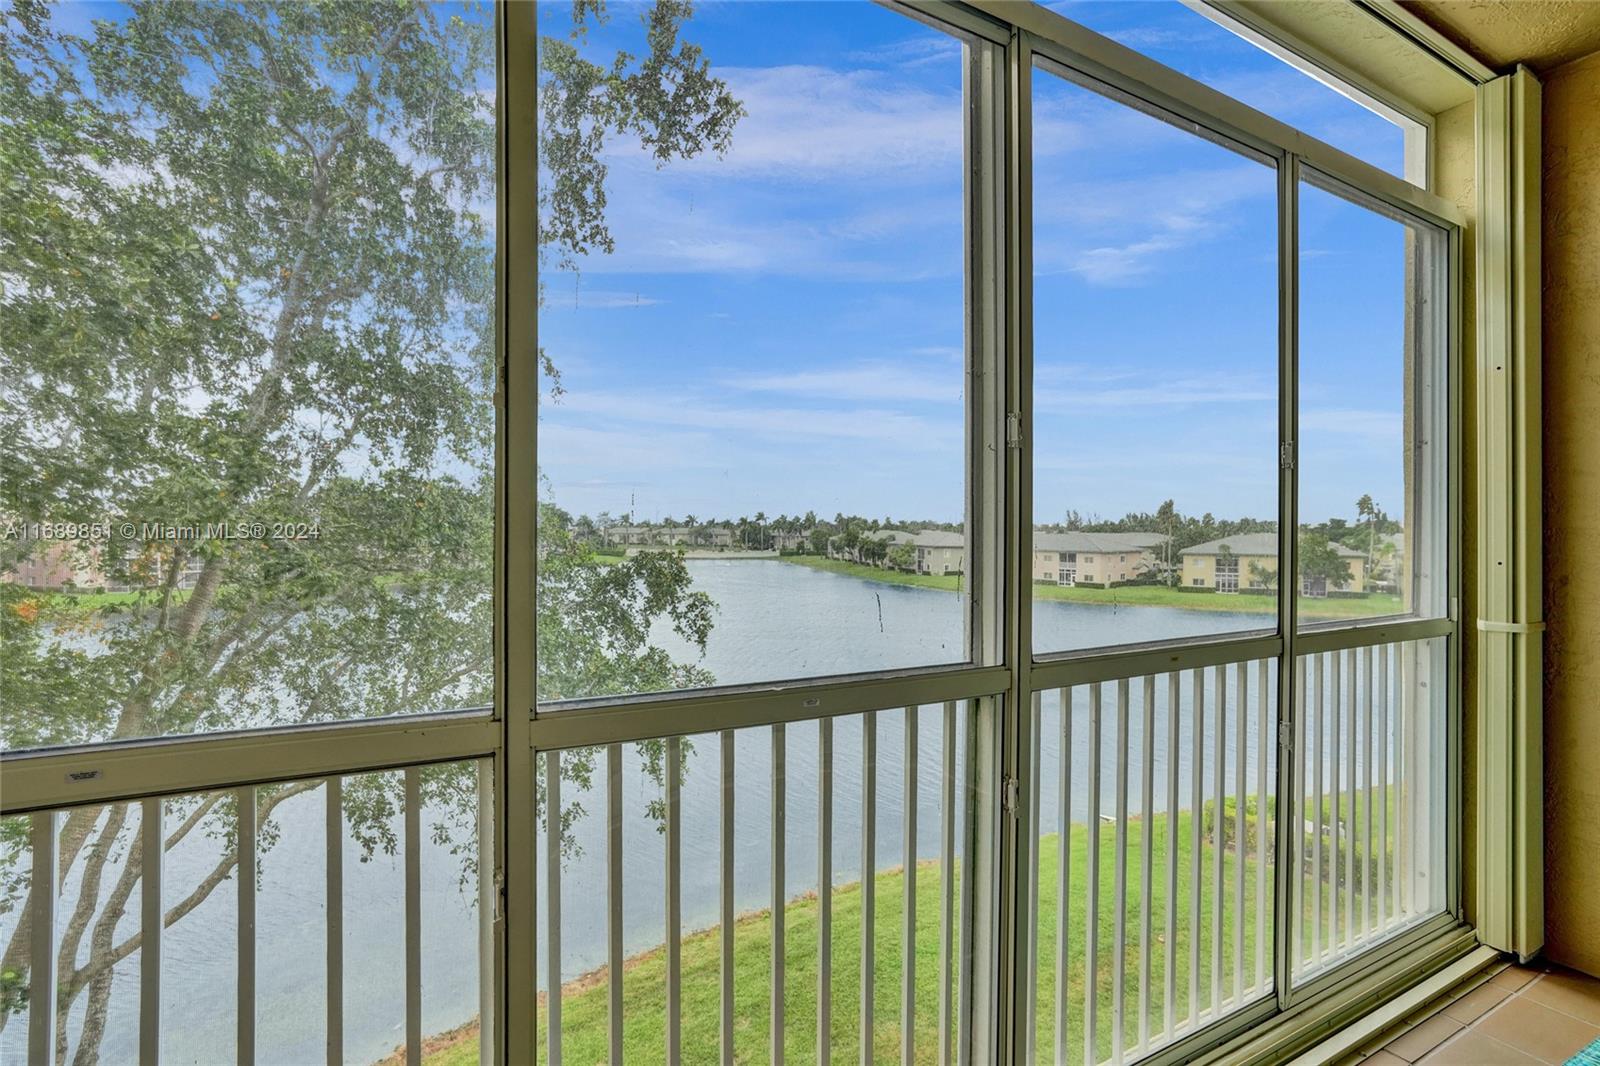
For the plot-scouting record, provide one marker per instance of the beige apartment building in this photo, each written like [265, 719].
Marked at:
[1251, 562]
[1079, 558]
[938, 552]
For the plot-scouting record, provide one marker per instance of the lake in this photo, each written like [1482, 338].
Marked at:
[774, 621]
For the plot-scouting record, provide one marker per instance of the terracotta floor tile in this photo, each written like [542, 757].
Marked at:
[1513, 977]
[1569, 993]
[1424, 1037]
[1385, 1038]
[1383, 1058]
[1472, 1048]
[1472, 1006]
[1428, 1010]
[1536, 1029]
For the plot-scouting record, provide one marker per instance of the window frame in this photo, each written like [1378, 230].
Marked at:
[1002, 672]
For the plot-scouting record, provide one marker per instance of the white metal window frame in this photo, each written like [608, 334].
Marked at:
[1002, 673]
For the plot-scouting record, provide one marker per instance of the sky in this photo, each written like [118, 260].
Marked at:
[781, 329]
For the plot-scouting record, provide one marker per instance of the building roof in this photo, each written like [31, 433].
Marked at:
[938, 538]
[1262, 544]
[1078, 541]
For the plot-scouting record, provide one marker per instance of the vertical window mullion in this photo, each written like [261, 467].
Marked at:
[1287, 785]
[516, 466]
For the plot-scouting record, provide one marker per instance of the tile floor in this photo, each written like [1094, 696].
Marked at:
[1519, 1016]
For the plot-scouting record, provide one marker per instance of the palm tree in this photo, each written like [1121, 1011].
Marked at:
[1365, 508]
[761, 516]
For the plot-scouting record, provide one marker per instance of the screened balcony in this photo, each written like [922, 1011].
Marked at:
[923, 532]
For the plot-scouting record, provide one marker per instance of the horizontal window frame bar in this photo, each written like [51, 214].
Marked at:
[1075, 46]
[166, 766]
[1151, 659]
[627, 719]
[1371, 634]
[1339, 997]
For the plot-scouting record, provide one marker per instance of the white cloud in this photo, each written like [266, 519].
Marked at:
[889, 382]
[1377, 427]
[1165, 392]
[742, 423]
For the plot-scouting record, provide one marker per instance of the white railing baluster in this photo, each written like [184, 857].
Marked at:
[1030, 1038]
[1335, 793]
[245, 800]
[1119, 878]
[674, 770]
[969, 865]
[1265, 745]
[152, 862]
[726, 892]
[488, 904]
[1063, 870]
[1402, 828]
[552, 906]
[947, 884]
[779, 888]
[1385, 914]
[614, 912]
[1368, 765]
[42, 975]
[824, 893]
[1319, 738]
[1197, 764]
[1297, 814]
[1350, 936]
[1091, 911]
[413, 828]
[869, 866]
[1147, 857]
[1170, 997]
[1241, 740]
[908, 910]
[1219, 675]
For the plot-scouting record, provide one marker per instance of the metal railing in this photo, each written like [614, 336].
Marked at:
[234, 826]
[1365, 762]
[1162, 837]
[800, 911]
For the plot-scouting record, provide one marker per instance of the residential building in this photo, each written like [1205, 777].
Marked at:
[939, 552]
[1078, 558]
[1250, 561]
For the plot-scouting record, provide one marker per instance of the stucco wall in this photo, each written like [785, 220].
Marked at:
[1571, 231]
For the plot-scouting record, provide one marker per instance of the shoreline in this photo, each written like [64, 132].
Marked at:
[1375, 606]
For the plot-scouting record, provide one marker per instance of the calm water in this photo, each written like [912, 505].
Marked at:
[774, 621]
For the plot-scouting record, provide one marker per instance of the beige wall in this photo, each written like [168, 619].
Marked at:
[1106, 566]
[1571, 231]
[1203, 567]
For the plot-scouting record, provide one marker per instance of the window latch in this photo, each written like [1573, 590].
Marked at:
[1013, 430]
[1286, 455]
[1008, 796]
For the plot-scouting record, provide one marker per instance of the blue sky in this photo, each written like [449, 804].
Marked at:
[781, 329]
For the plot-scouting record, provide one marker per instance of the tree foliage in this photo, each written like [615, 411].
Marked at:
[248, 278]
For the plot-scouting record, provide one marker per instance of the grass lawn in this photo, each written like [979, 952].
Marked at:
[584, 1001]
[1127, 595]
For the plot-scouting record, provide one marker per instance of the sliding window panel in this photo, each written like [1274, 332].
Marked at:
[753, 325]
[1214, 48]
[251, 483]
[1155, 405]
[1374, 394]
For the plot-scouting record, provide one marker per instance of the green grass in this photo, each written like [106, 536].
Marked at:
[1125, 596]
[584, 1019]
[584, 1002]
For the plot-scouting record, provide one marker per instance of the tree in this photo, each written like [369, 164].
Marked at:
[1365, 508]
[901, 557]
[248, 276]
[1320, 561]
